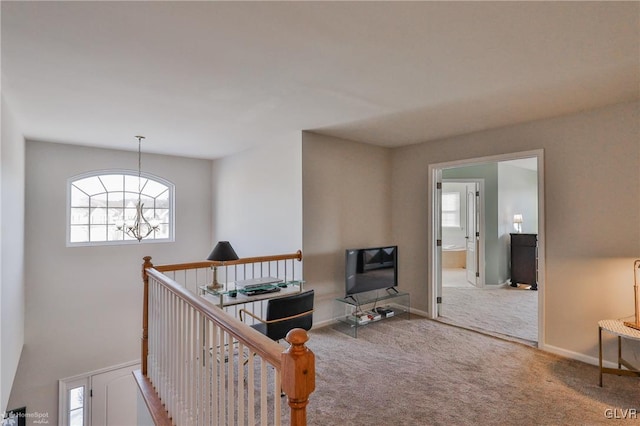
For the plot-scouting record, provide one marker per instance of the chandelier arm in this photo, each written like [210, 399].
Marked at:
[145, 223]
[141, 227]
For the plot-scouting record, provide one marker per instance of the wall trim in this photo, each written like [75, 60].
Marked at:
[578, 356]
[102, 370]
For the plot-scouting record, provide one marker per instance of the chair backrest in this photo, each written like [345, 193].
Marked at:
[287, 306]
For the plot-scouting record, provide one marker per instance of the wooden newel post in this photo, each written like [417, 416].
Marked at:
[145, 313]
[298, 375]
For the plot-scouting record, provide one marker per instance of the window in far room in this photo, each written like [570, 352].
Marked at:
[99, 203]
[450, 209]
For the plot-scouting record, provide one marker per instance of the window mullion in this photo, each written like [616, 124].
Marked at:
[102, 183]
[89, 219]
[81, 190]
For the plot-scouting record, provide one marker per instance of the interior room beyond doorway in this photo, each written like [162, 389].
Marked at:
[490, 305]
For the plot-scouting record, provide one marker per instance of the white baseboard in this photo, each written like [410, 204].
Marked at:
[419, 312]
[578, 356]
[324, 323]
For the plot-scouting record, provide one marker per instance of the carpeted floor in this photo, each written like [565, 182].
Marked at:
[499, 310]
[422, 372]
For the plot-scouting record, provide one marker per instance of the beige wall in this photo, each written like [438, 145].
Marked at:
[83, 304]
[346, 199]
[326, 195]
[257, 201]
[12, 279]
[592, 202]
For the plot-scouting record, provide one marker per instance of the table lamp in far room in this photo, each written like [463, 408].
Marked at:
[222, 252]
[517, 222]
[636, 291]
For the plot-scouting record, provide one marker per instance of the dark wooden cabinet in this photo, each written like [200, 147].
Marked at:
[524, 260]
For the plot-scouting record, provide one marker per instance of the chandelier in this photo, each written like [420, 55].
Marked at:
[139, 227]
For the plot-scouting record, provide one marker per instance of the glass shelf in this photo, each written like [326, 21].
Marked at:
[355, 312]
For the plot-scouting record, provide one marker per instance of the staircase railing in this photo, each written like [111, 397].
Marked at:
[203, 366]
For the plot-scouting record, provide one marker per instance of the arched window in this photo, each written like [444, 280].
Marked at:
[99, 201]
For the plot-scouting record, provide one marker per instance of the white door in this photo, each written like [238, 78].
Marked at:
[114, 398]
[472, 235]
[437, 226]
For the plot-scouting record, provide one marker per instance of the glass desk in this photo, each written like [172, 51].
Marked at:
[229, 295]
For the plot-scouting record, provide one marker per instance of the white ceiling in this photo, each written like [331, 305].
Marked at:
[207, 79]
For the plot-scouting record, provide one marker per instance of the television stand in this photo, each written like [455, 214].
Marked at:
[354, 312]
[352, 299]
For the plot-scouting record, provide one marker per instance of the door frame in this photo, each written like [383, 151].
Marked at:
[434, 256]
[85, 380]
[480, 216]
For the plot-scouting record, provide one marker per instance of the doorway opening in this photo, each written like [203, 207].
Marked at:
[476, 207]
[463, 232]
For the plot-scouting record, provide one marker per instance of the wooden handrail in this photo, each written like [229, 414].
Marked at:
[183, 266]
[201, 304]
[258, 259]
[260, 343]
[245, 260]
[297, 363]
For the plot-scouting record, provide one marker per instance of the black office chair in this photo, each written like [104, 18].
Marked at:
[284, 314]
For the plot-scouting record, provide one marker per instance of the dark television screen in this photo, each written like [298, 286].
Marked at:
[371, 269]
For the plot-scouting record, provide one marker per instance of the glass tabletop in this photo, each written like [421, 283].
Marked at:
[231, 288]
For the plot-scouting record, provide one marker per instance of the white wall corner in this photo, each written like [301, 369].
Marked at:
[12, 269]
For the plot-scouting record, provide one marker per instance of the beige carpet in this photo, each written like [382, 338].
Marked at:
[499, 310]
[423, 372]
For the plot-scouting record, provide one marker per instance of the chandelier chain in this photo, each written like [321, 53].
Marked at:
[140, 227]
[139, 165]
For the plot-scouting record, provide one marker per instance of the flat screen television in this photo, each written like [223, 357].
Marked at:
[371, 268]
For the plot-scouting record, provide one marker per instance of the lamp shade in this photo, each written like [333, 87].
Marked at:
[517, 218]
[222, 252]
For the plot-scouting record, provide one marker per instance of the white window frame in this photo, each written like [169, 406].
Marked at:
[132, 173]
[455, 211]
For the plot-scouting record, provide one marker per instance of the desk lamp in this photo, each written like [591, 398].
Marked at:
[636, 290]
[222, 252]
[517, 222]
